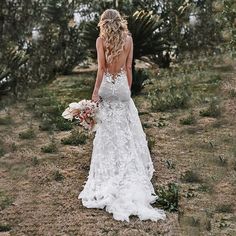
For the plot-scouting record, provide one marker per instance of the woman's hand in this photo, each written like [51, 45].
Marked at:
[95, 97]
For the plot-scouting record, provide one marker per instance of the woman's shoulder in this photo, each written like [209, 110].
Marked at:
[129, 38]
[99, 41]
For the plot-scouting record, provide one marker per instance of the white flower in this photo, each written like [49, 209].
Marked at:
[75, 105]
[67, 114]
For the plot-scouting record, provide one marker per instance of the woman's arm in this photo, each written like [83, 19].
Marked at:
[101, 68]
[129, 63]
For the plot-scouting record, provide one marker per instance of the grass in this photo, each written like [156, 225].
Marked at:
[19, 171]
[5, 227]
[188, 120]
[151, 143]
[224, 208]
[206, 188]
[2, 151]
[5, 200]
[232, 93]
[50, 147]
[76, 137]
[213, 110]
[194, 222]
[48, 109]
[35, 161]
[14, 147]
[6, 120]
[222, 161]
[57, 175]
[191, 176]
[203, 144]
[161, 122]
[170, 164]
[171, 94]
[27, 134]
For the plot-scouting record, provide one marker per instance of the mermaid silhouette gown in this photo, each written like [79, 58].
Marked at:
[121, 167]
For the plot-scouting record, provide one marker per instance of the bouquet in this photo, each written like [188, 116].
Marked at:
[85, 111]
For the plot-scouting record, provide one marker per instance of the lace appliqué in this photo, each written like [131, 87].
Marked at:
[121, 167]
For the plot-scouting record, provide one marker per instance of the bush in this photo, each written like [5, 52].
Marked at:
[139, 76]
[225, 208]
[151, 143]
[168, 197]
[27, 61]
[191, 176]
[189, 120]
[173, 94]
[7, 120]
[50, 148]
[5, 200]
[62, 124]
[27, 134]
[5, 227]
[2, 151]
[214, 109]
[45, 105]
[76, 138]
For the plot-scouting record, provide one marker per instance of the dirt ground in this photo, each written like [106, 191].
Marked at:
[33, 202]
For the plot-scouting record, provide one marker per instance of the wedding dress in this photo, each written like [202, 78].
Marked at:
[121, 167]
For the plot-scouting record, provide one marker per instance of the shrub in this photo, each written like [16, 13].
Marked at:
[214, 109]
[176, 94]
[189, 120]
[5, 200]
[27, 134]
[224, 208]
[191, 176]
[168, 197]
[76, 138]
[2, 151]
[50, 148]
[5, 227]
[62, 124]
[57, 175]
[46, 106]
[232, 93]
[7, 120]
[139, 75]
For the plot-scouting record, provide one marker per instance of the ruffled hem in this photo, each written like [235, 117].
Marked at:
[123, 203]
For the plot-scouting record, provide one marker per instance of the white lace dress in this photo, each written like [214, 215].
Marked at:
[121, 167]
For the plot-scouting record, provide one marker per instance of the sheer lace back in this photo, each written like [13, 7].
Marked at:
[115, 86]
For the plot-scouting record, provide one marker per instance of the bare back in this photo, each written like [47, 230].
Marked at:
[122, 59]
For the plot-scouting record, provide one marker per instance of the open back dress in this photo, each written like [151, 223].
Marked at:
[121, 168]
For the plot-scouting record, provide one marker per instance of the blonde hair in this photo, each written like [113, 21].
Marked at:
[114, 30]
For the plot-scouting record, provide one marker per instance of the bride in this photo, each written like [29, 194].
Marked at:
[121, 167]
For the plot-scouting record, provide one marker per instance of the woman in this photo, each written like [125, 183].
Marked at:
[121, 167]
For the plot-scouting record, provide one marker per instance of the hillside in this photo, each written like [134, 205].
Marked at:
[44, 160]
